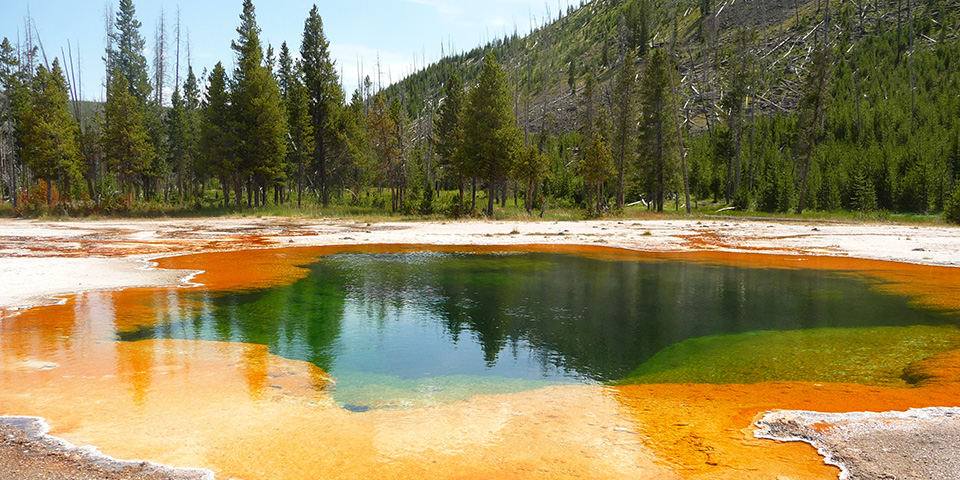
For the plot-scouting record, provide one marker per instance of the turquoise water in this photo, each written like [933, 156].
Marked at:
[412, 329]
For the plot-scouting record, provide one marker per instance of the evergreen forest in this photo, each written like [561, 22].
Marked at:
[610, 108]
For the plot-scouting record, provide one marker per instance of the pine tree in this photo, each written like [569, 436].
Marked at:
[326, 96]
[655, 126]
[448, 129]
[531, 166]
[49, 133]
[624, 121]
[299, 122]
[260, 123]
[9, 82]
[126, 144]
[383, 142]
[738, 81]
[191, 127]
[398, 174]
[595, 168]
[812, 113]
[356, 134]
[127, 57]
[491, 137]
[951, 212]
[217, 137]
[176, 127]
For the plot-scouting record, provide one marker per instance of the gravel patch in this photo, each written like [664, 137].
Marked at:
[916, 444]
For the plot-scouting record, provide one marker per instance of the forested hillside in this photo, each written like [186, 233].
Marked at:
[615, 106]
[887, 135]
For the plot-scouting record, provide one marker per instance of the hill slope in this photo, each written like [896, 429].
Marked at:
[889, 138]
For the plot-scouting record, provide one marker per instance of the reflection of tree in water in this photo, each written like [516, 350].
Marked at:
[300, 321]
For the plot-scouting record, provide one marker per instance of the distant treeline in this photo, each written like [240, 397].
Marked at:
[667, 110]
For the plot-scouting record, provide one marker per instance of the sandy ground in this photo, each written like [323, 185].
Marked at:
[871, 445]
[51, 259]
[42, 457]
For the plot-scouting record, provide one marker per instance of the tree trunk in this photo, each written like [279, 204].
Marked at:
[491, 191]
[528, 201]
[225, 185]
[805, 174]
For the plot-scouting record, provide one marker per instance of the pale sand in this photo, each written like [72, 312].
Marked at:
[41, 260]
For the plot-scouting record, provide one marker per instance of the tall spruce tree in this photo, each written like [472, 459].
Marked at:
[217, 136]
[260, 120]
[299, 122]
[595, 168]
[529, 169]
[812, 113]
[326, 96]
[49, 133]
[176, 123]
[738, 79]
[9, 81]
[191, 128]
[126, 144]
[448, 130]
[127, 52]
[624, 121]
[656, 138]
[356, 134]
[491, 138]
[383, 142]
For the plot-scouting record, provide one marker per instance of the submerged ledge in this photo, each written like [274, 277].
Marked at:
[918, 443]
[26, 448]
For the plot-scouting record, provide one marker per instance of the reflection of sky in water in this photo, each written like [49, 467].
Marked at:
[423, 328]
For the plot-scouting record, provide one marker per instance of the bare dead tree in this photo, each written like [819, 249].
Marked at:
[176, 70]
[159, 57]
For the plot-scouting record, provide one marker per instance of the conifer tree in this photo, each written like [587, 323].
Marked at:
[127, 55]
[655, 126]
[383, 141]
[356, 135]
[531, 166]
[284, 71]
[9, 81]
[49, 133]
[398, 174]
[260, 123]
[812, 113]
[326, 96]
[126, 144]
[176, 123]
[491, 137]
[217, 137]
[299, 122]
[595, 168]
[448, 129]
[191, 126]
[738, 80]
[624, 121]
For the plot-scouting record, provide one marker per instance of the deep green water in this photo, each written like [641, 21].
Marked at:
[421, 328]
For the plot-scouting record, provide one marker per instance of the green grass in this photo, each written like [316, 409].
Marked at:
[367, 212]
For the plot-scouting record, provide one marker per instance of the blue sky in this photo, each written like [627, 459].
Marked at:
[397, 30]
